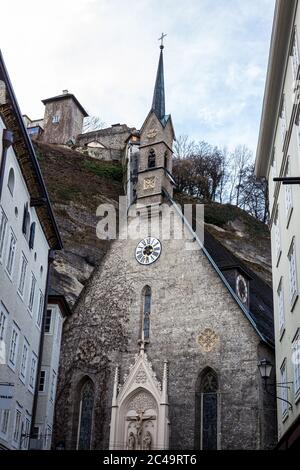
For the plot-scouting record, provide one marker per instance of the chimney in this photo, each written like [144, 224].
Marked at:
[65, 92]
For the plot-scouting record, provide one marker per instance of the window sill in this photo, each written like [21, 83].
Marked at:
[289, 215]
[285, 416]
[12, 367]
[297, 397]
[294, 301]
[278, 258]
[281, 334]
[9, 275]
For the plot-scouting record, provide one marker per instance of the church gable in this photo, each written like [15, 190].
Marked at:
[154, 131]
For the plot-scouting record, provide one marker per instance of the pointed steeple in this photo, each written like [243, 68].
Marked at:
[158, 103]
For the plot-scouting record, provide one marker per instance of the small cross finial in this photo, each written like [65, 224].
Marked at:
[161, 39]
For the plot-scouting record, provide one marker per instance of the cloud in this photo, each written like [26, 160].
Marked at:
[106, 52]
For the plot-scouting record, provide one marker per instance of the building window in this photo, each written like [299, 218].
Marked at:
[277, 236]
[23, 367]
[146, 311]
[55, 119]
[288, 191]
[4, 422]
[25, 438]
[32, 235]
[11, 181]
[53, 386]
[166, 160]
[293, 273]
[3, 225]
[3, 320]
[22, 274]
[26, 221]
[48, 320]
[13, 350]
[281, 315]
[17, 426]
[32, 374]
[295, 57]
[283, 120]
[283, 390]
[42, 381]
[86, 408]
[296, 363]
[48, 437]
[206, 432]
[151, 159]
[32, 292]
[11, 253]
[40, 310]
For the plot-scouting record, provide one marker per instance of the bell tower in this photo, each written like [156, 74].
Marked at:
[156, 141]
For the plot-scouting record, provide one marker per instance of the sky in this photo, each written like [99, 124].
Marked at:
[106, 53]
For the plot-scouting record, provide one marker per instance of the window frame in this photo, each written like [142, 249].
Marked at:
[22, 276]
[296, 364]
[16, 436]
[12, 248]
[15, 329]
[32, 293]
[44, 381]
[32, 373]
[3, 230]
[293, 275]
[23, 374]
[280, 303]
[284, 390]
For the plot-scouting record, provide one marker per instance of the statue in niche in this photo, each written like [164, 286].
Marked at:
[147, 440]
[139, 421]
[131, 441]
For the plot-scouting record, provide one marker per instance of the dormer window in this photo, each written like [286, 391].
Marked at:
[151, 159]
[55, 119]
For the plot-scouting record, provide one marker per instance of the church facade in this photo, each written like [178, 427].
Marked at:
[160, 351]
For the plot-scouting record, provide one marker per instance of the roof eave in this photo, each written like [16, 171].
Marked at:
[278, 57]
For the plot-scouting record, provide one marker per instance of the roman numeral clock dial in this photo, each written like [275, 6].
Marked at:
[148, 250]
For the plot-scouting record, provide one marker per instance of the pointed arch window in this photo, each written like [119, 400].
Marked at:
[206, 432]
[151, 159]
[86, 416]
[146, 311]
[166, 160]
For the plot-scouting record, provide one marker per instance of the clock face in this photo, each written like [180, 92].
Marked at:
[241, 288]
[148, 250]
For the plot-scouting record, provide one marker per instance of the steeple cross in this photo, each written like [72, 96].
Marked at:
[161, 39]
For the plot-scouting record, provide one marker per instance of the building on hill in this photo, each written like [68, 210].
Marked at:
[278, 156]
[28, 236]
[106, 144]
[63, 118]
[162, 347]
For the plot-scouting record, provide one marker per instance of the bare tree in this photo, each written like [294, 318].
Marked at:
[238, 161]
[183, 147]
[92, 123]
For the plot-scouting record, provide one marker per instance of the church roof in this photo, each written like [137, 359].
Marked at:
[260, 312]
[158, 103]
[260, 293]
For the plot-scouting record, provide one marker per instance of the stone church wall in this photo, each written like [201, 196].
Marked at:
[195, 323]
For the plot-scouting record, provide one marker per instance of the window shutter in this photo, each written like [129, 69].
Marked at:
[32, 234]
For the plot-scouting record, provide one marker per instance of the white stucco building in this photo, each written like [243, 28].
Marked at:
[57, 311]
[27, 235]
[278, 155]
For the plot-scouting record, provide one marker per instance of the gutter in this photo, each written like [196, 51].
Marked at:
[220, 274]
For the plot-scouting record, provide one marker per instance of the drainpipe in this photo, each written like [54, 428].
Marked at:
[7, 140]
[51, 257]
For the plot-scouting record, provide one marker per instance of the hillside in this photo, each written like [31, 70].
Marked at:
[78, 184]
